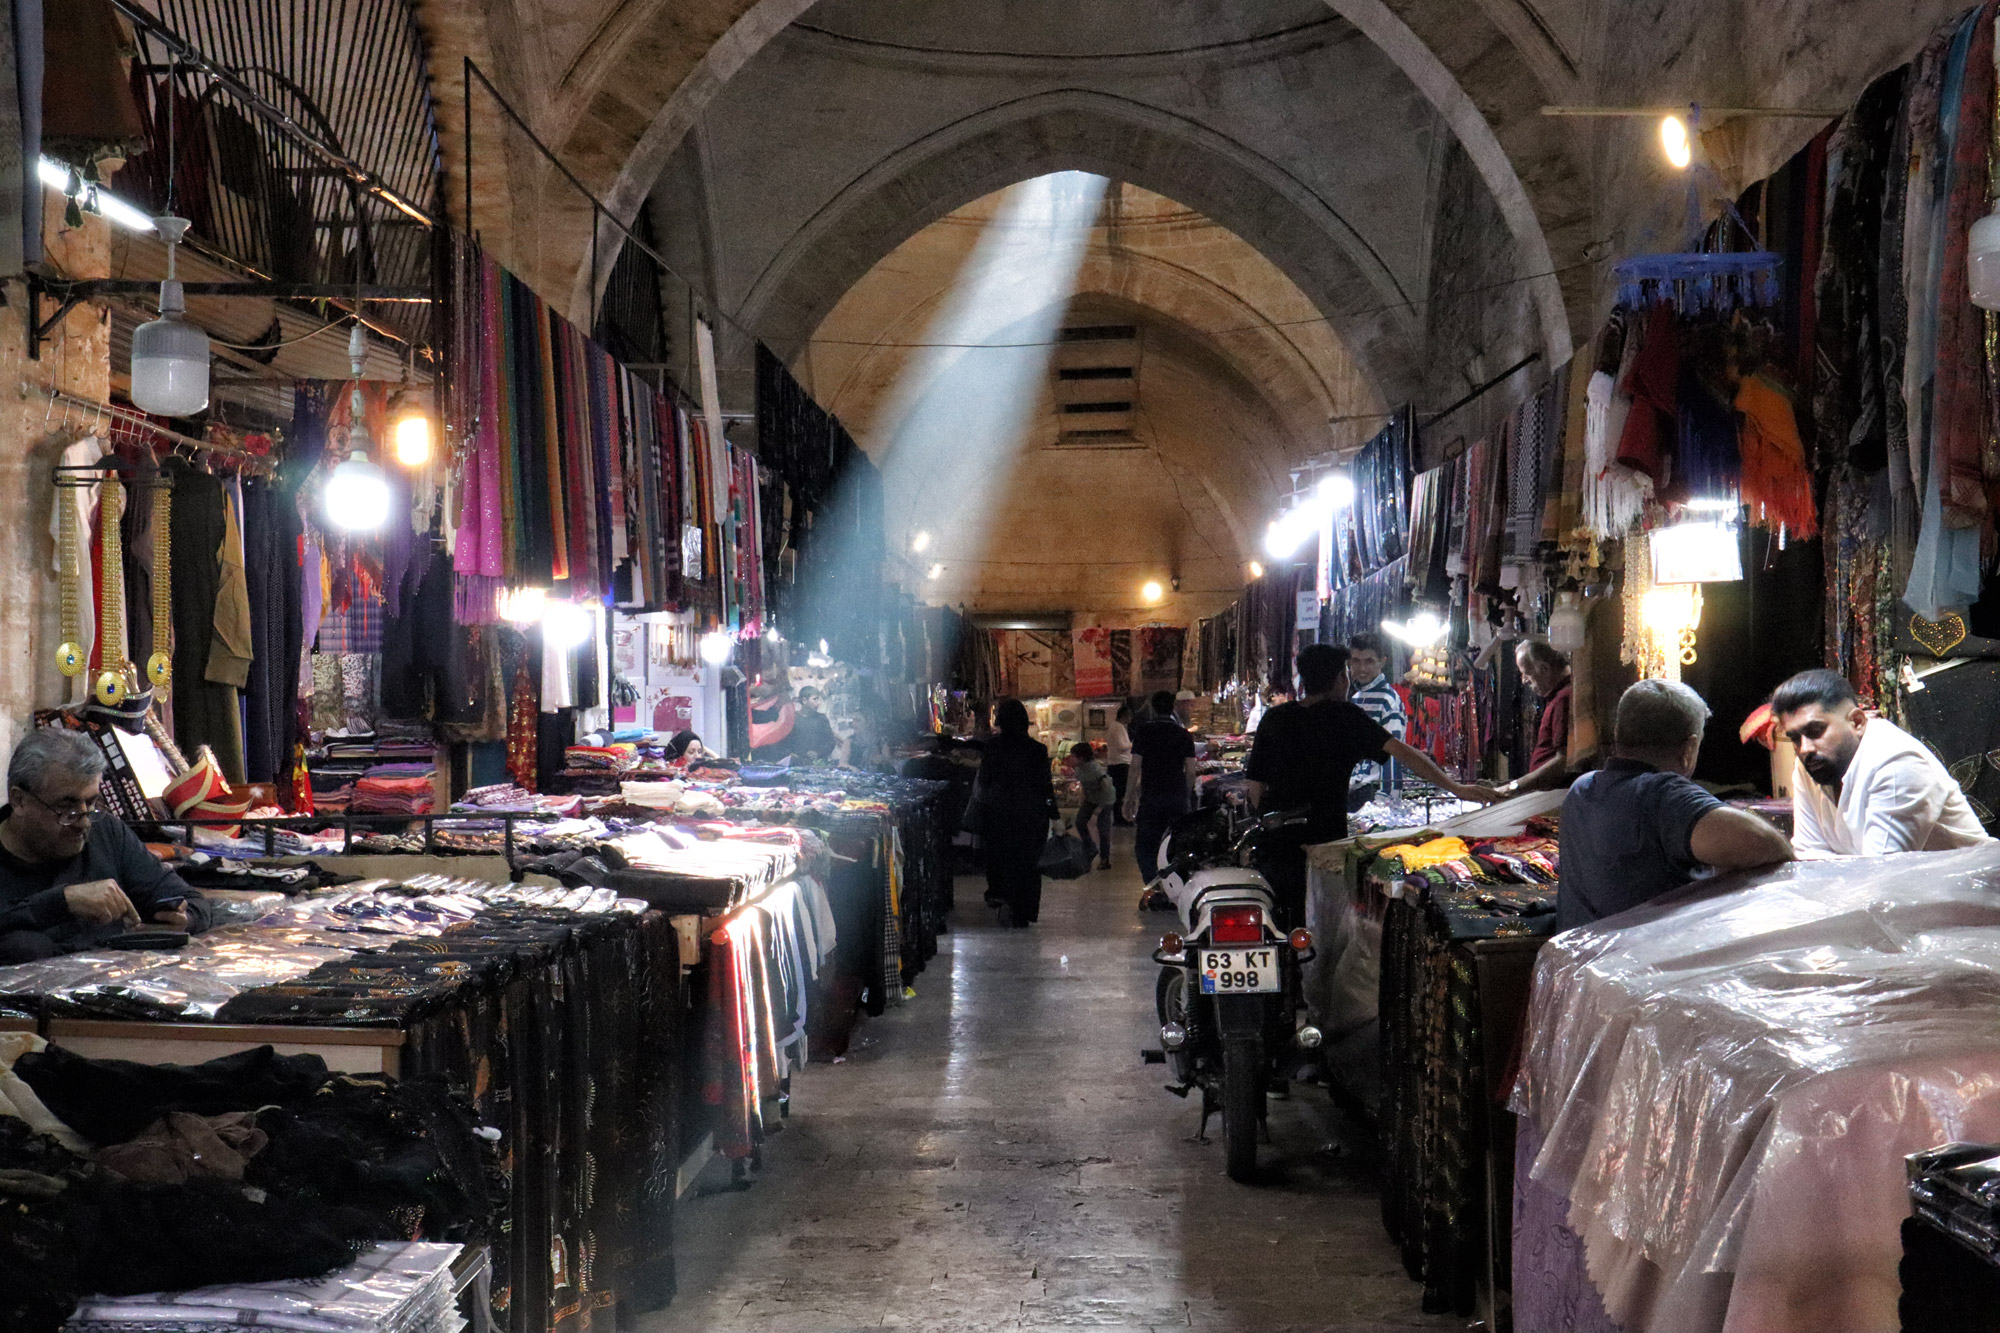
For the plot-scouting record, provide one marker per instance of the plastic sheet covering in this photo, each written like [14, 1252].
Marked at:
[394, 1288]
[297, 936]
[1727, 1081]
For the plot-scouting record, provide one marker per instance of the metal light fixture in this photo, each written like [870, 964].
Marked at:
[170, 355]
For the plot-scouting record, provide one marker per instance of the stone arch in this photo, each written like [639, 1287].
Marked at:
[1110, 136]
[756, 22]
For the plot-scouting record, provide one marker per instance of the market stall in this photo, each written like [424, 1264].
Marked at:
[1719, 1091]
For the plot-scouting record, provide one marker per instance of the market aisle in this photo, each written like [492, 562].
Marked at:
[993, 1155]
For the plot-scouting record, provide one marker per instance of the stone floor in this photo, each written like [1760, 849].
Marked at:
[994, 1155]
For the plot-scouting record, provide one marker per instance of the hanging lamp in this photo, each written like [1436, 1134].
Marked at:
[170, 355]
[357, 494]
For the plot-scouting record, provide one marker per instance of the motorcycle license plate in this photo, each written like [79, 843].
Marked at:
[1248, 971]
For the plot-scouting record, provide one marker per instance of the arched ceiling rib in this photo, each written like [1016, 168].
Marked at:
[1112, 137]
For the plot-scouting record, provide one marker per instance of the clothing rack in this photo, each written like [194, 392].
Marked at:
[140, 421]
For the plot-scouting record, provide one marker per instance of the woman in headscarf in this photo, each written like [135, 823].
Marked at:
[1016, 800]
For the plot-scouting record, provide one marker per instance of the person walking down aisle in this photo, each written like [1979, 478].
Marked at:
[1013, 804]
[1098, 797]
[1118, 761]
[1162, 779]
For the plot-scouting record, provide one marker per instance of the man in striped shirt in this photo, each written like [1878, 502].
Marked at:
[1371, 692]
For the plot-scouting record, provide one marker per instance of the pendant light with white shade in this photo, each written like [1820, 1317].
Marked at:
[170, 355]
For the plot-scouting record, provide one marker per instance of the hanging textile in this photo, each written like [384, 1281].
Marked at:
[205, 708]
[1092, 664]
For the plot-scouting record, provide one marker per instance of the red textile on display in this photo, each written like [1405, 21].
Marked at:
[1654, 384]
[1961, 395]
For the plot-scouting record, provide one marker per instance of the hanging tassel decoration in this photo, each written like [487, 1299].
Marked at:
[160, 666]
[69, 653]
[111, 597]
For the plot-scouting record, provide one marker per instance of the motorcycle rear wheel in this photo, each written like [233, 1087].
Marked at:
[1242, 1106]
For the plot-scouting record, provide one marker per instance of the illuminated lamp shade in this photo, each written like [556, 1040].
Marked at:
[357, 495]
[567, 625]
[412, 434]
[1670, 608]
[1982, 261]
[716, 646]
[1566, 623]
[170, 355]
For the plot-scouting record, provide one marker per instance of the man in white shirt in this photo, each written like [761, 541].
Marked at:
[1118, 760]
[1864, 786]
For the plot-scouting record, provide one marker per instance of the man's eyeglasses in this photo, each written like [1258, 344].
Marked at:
[68, 813]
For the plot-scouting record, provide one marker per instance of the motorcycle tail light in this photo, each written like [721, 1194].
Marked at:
[1170, 943]
[1302, 939]
[1237, 925]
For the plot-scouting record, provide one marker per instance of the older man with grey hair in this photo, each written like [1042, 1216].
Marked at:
[1639, 826]
[72, 875]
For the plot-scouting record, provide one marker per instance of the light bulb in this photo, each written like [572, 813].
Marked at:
[523, 606]
[566, 625]
[1338, 490]
[920, 543]
[1256, 570]
[413, 438]
[771, 635]
[1674, 140]
[716, 646]
[357, 495]
[1152, 592]
[934, 571]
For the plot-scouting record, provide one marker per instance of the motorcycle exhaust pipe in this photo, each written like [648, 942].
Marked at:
[1172, 1036]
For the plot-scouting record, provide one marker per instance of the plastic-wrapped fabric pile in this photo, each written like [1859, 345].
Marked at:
[394, 1288]
[1719, 1090]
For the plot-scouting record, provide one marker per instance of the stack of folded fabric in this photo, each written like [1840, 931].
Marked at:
[601, 758]
[395, 789]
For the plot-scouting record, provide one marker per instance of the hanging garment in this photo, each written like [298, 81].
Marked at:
[1776, 484]
[275, 592]
[205, 709]
[1960, 412]
[1653, 382]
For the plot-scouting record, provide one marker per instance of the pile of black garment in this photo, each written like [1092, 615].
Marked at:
[329, 1163]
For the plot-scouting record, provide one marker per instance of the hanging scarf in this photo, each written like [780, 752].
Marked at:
[1960, 397]
[1775, 483]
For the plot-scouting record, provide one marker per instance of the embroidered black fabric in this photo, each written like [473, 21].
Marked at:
[351, 1160]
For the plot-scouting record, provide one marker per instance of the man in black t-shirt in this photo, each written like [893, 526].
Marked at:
[1302, 758]
[1162, 779]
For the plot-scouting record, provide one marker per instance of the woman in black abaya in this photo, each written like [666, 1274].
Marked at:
[1016, 801]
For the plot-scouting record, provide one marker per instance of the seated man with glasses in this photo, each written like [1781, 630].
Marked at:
[70, 874]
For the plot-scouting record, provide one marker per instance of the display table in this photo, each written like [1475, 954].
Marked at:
[558, 1013]
[1723, 1086]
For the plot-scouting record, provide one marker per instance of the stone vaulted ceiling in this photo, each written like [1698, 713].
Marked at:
[1382, 164]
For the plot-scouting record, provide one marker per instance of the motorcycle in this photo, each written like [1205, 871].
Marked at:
[1228, 991]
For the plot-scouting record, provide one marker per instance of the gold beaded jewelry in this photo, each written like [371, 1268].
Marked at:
[111, 593]
[160, 666]
[69, 653]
